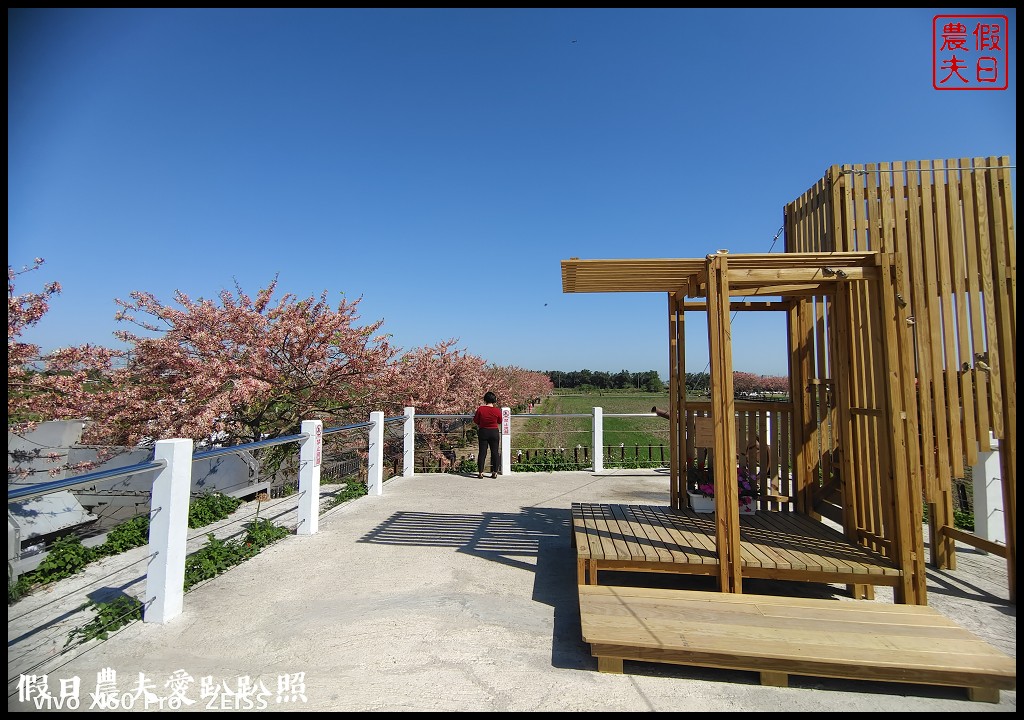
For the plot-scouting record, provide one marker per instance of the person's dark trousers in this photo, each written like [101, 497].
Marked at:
[489, 440]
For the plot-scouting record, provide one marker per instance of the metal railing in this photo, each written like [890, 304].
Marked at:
[28, 491]
[172, 462]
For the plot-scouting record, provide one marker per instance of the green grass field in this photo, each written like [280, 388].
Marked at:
[568, 432]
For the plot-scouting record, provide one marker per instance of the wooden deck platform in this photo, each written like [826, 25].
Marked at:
[782, 636]
[773, 545]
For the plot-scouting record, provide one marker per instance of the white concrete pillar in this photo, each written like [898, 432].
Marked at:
[311, 455]
[598, 432]
[409, 443]
[989, 516]
[375, 461]
[168, 531]
[506, 441]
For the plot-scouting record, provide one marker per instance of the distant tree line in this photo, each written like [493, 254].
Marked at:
[744, 383]
[648, 381]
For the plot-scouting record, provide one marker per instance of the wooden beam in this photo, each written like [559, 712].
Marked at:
[815, 274]
[810, 289]
[672, 274]
[737, 305]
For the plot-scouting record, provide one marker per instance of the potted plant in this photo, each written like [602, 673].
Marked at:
[702, 489]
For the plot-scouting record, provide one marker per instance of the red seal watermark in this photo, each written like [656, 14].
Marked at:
[970, 52]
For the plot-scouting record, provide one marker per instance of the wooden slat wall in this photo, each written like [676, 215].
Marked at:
[1005, 266]
[808, 455]
[976, 384]
[803, 219]
[867, 336]
[769, 421]
[904, 506]
[896, 237]
[867, 406]
[677, 398]
[839, 211]
[808, 229]
[821, 393]
[951, 224]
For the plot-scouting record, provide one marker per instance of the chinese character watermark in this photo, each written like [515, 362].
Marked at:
[174, 693]
[970, 52]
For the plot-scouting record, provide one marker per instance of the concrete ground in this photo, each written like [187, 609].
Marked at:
[446, 593]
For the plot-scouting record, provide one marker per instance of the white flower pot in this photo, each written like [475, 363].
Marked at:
[701, 504]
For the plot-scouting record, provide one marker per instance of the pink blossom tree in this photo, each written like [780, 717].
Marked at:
[517, 387]
[745, 383]
[44, 387]
[439, 379]
[443, 380]
[245, 368]
[23, 311]
[775, 384]
[239, 370]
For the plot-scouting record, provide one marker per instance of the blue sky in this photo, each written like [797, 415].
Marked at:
[440, 163]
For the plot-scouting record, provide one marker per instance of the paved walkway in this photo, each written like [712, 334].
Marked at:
[446, 593]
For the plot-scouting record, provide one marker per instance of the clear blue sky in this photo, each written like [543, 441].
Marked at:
[440, 163]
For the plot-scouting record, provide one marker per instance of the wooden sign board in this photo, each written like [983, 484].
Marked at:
[704, 432]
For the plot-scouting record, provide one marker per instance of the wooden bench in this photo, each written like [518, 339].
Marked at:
[782, 636]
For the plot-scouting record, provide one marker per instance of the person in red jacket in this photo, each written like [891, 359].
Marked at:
[488, 419]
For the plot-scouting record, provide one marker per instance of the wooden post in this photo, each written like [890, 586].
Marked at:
[723, 413]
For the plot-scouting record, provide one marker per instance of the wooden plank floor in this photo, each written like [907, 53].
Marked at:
[781, 636]
[773, 545]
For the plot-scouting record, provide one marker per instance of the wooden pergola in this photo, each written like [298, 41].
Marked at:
[898, 282]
